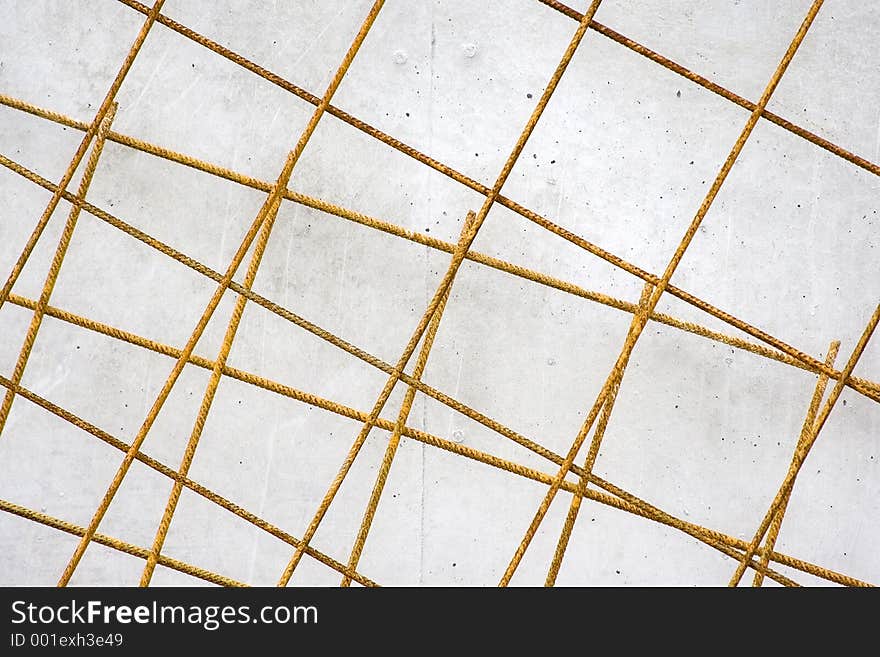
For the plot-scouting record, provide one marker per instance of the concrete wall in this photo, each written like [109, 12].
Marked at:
[623, 157]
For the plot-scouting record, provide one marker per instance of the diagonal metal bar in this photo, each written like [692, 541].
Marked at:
[116, 544]
[715, 88]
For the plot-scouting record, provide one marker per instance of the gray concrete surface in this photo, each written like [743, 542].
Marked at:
[623, 156]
